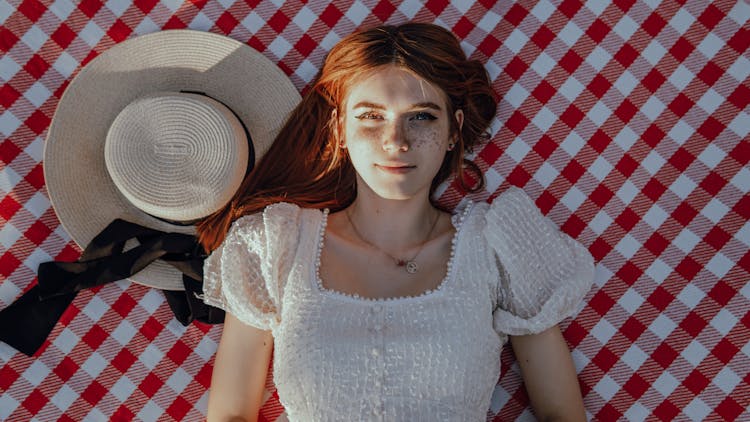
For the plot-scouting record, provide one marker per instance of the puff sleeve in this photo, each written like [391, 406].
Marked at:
[544, 273]
[246, 275]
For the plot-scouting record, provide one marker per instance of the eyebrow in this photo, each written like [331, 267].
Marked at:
[367, 104]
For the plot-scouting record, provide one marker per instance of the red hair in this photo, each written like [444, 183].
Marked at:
[305, 165]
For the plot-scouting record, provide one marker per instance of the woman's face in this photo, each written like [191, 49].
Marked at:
[397, 131]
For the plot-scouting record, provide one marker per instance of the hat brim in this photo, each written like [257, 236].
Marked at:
[80, 188]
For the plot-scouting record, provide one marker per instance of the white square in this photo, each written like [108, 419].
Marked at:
[410, 8]
[35, 149]
[683, 186]
[658, 270]
[37, 94]
[64, 397]
[655, 216]
[151, 356]
[279, 47]
[62, 8]
[36, 372]
[489, 21]
[597, 6]
[573, 198]
[662, 326]
[691, 296]
[206, 348]
[625, 27]
[570, 33]
[253, 22]
[694, 353]
[543, 10]
[627, 192]
[64, 65]
[516, 95]
[306, 70]
[712, 156]
[726, 380]
[8, 122]
[686, 240]
[517, 149]
[8, 293]
[122, 389]
[637, 412]
[34, 38]
[654, 52]
[631, 300]
[743, 235]
[681, 77]
[572, 143]
[626, 138]
[516, 40]
[118, 7]
[201, 22]
[357, 13]
[628, 246]
[172, 5]
[740, 13]
[545, 175]
[94, 365]
[493, 180]
[543, 64]
[681, 21]
[723, 321]
[740, 69]
[602, 275]
[174, 327]
[94, 415]
[95, 308]
[740, 124]
[607, 387]
[8, 68]
[626, 83]
[151, 300]
[8, 235]
[8, 179]
[653, 162]
[666, 384]
[600, 222]
[329, 40]
[603, 331]
[66, 341]
[493, 70]
[580, 360]
[36, 257]
[498, 399]
[710, 101]
[304, 18]
[179, 380]
[7, 405]
[600, 168]
[37, 205]
[202, 404]
[91, 34]
[468, 48]
[720, 265]
[571, 89]
[124, 332]
[680, 132]
[714, 210]
[151, 412]
[634, 357]
[461, 6]
[696, 410]
[710, 45]
[146, 26]
[544, 119]
[598, 58]
[742, 180]
[652, 108]
[599, 113]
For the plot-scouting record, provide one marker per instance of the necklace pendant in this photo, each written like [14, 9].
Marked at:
[411, 267]
[400, 262]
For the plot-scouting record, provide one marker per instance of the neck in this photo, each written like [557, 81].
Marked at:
[393, 225]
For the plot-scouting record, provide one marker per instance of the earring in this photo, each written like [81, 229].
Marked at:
[451, 146]
[342, 145]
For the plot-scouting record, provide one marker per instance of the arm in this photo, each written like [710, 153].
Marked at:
[549, 375]
[240, 371]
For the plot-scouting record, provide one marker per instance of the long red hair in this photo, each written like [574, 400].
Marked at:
[305, 165]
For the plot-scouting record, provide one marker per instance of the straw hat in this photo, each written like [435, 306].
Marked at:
[155, 131]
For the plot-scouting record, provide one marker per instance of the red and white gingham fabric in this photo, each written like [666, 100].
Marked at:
[627, 123]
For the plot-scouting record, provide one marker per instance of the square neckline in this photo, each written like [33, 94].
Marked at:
[457, 220]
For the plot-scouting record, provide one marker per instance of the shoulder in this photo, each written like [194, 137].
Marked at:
[273, 220]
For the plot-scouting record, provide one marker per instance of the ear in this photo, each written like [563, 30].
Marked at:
[336, 121]
[459, 115]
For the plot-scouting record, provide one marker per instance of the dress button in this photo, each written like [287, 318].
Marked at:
[375, 351]
[377, 327]
[377, 383]
[377, 308]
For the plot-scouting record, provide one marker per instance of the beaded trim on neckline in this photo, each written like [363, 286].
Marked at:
[318, 283]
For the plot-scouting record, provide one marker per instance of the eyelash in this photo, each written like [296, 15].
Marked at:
[369, 115]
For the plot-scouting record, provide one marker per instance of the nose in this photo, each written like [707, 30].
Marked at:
[395, 138]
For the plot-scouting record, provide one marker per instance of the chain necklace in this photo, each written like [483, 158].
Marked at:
[409, 264]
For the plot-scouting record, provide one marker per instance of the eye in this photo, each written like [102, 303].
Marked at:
[369, 115]
[423, 115]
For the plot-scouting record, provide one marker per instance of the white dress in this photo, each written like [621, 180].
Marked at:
[431, 357]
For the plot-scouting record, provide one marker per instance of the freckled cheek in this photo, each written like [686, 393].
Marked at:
[428, 138]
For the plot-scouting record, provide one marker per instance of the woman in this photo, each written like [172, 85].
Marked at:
[378, 304]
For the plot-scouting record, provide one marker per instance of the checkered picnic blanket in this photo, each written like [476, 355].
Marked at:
[626, 121]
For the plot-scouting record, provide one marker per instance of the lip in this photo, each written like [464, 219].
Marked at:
[396, 168]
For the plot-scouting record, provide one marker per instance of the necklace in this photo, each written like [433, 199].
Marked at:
[409, 264]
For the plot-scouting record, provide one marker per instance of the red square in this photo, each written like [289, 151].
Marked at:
[517, 122]
[150, 385]
[8, 150]
[151, 328]
[660, 298]
[123, 414]
[711, 128]
[463, 27]
[713, 183]
[145, 6]
[693, 324]
[519, 177]
[608, 413]
[32, 9]
[278, 21]
[598, 30]
[626, 110]
[94, 393]
[38, 122]
[624, 5]
[63, 35]
[629, 273]
[331, 15]
[664, 355]
[89, 7]
[573, 171]
[599, 141]
[516, 68]
[436, 6]
[36, 176]
[722, 293]
[666, 411]
[653, 80]
[656, 243]
[174, 22]
[7, 377]
[8, 262]
[742, 207]
[570, 61]
[725, 350]
[179, 408]
[203, 377]
[681, 159]
[740, 97]
[599, 249]
[490, 153]
[35, 401]
[627, 55]
[717, 237]
[575, 333]
[569, 8]
[227, 22]
[627, 219]
[696, 382]
[543, 92]
[681, 104]
[711, 16]
[599, 85]
[710, 73]
[305, 45]
[516, 14]
[572, 116]
[632, 328]
[119, 31]
[545, 146]
[601, 302]
[95, 336]
[179, 352]
[7, 39]
[546, 202]
[573, 226]
[729, 409]
[383, 10]
[653, 24]
[684, 214]
[681, 49]
[605, 359]
[653, 135]
[123, 305]
[543, 37]
[123, 360]
[635, 386]
[740, 41]
[489, 45]
[688, 268]
[37, 232]
[627, 165]
[36, 66]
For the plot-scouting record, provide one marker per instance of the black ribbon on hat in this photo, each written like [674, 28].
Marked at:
[27, 322]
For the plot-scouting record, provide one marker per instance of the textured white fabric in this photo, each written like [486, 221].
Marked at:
[435, 356]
